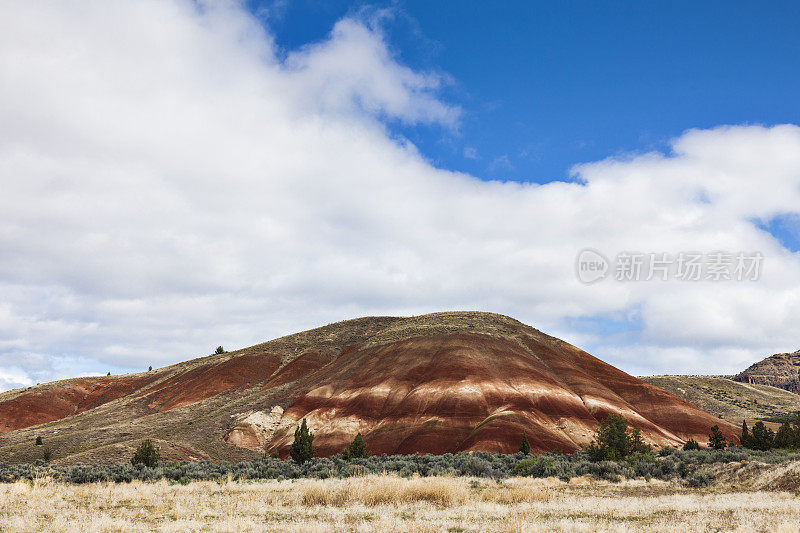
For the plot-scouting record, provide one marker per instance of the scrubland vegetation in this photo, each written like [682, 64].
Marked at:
[618, 483]
[617, 452]
[667, 465]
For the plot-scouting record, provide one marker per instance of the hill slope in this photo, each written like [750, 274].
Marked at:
[437, 383]
[731, 400]
[780, 370]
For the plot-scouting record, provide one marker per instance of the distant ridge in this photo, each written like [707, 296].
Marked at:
[780, 370]
[728, 399]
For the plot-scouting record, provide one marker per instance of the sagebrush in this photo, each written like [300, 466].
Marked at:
[669, 464]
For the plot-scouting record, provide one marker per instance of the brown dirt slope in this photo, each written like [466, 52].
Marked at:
[437, 383]
[780, 370]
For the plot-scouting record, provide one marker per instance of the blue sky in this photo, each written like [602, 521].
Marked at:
[546, 85]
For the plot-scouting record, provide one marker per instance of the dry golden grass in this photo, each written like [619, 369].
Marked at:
[388, 503]
[383, 490]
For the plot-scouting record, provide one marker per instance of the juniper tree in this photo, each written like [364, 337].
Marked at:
[525, 446]
[691, 444]
[303, 446]
[716, 439]
[785, 437]
[613, 440]
[636, 442]
[762, 437]
[744, 440]
[357, 449]
[146, 454]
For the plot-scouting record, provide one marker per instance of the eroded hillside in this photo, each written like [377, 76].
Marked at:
[437, 383]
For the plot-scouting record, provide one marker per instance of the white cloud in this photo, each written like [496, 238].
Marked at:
[14, 378]
[169, 184]
[354, 71]
[501, 163]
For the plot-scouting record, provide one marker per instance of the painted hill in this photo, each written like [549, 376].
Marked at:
[780, 370]
[444, 382]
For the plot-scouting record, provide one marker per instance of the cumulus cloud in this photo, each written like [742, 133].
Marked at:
[354, 71]
[169, 184]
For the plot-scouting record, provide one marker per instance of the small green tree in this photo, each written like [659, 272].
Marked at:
[219, 350]
[762, 438]
[39, 440]
[47, 454]
[267, 455]
[303, 446]
[149, 368]
[796, 433]
[785, 437]
[525, 446]
[744, 440]
[637, 443]
[356, 450]
[614, 441]
[146, 454]
[611, 439]
[716, 439]
[691, 444]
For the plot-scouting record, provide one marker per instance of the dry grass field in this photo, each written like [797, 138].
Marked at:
[387, 503]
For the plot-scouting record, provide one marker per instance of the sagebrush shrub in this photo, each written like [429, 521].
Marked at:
[679, 464]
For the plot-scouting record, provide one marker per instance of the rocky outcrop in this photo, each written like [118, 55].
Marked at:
[253, 429]
[780, 370]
